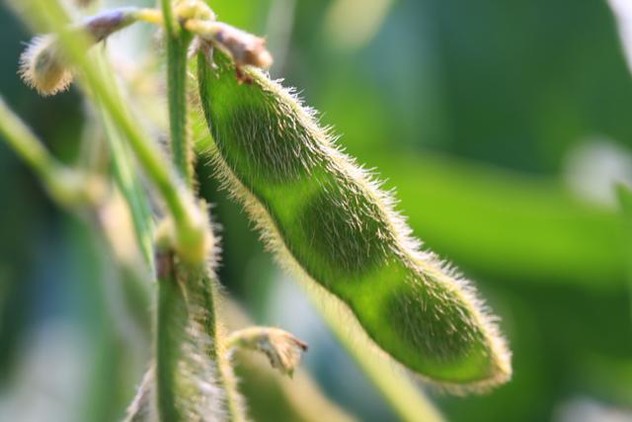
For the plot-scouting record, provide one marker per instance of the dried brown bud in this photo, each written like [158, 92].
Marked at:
[243, 47]
[282, 349]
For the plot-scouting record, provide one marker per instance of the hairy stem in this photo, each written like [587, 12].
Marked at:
[199, 282]
[172, 316]
[25, 144]
[177, 44]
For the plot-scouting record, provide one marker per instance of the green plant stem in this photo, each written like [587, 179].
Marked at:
[178, 200]
[172, 318]
[125, 176]
[171, 24]
[25, 144]
[625, 201]
[131, 189]
[65, 185]
[181, 145]
[199, 283]
[168, 295]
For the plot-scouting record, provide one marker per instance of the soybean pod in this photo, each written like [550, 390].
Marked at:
[324, 214]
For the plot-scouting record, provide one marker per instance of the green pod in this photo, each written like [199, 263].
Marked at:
[326, 215]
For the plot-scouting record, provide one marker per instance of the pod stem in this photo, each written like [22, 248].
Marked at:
[125, 176]
[172, 317]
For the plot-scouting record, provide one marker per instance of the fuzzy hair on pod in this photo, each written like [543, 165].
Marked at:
[324, 214]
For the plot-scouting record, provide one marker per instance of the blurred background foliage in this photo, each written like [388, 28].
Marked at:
[503, 126]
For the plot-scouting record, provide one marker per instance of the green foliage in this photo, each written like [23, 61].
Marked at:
[470, 110]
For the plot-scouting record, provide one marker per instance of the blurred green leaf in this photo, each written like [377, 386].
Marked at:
[506, 224]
